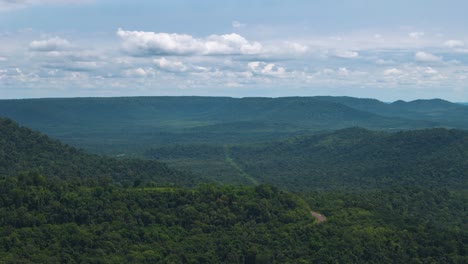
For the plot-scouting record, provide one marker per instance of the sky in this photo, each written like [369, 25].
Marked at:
[389, 50]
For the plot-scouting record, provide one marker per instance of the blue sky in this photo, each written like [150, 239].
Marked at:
[388, 50]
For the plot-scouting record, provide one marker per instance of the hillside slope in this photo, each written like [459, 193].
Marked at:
[352, 158]
[22, 149]
[358, 158]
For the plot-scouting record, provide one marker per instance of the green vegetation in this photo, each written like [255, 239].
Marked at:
[22, 149]
[438, 111]
[349, 159]
[242, 179]
[56, 221]
[131, 125]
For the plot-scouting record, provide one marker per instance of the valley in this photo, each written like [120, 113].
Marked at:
[329, 192]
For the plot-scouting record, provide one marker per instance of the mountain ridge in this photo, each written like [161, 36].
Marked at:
[129, 124]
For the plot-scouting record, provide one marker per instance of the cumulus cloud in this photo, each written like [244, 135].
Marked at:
[141, 43]
[139, 72]
[430, 70]
[48, 45]
[346, 54]
[454, 43]
[8, 5]
[262, 68]
[177, 66]
[392, 71]
[416, 35]
[297, 47]
[426, 57]
[169, 65]
[3, 59]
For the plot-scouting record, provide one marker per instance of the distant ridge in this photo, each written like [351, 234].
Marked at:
[128, 124]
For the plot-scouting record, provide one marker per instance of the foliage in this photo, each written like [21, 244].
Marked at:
[388, 198]
[74, 221]
[129, 125]
[22, 149]
[61, 221]
[349, 159]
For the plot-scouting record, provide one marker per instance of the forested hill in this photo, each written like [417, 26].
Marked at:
[353, 158]
[128, 124]
[436, 110]
[63, 219]
[23, 150]
[358, 158]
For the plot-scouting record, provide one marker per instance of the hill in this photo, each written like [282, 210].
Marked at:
[60, 218]
[347, 159]
[357, 158]
[55, 221]
[129, 124]
[22, 149]
[439, 111]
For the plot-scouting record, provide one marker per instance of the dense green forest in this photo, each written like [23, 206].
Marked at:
[22, 149]
[228, 188]
[129, 125]
[56, 221]
[347, 159]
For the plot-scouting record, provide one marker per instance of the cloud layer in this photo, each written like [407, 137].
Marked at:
[235, 64]
[140, 43]
[52, 44]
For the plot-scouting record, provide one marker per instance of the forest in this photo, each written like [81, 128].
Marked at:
[389, 196]
[346, 159]
[130, 125]
[57, 221]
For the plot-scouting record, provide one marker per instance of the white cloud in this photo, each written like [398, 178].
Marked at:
[347, 54]
[3, 59]
[263, 68]
[430, 70]
[454, 43]
[53, 55]
[48, 45]
[297, 47]
[141, 43]
[169, 65]
[392, 71]
[310, 62]
[416, 35]
[237, 24]
[426, 57]
[139, 72]
[343, 71]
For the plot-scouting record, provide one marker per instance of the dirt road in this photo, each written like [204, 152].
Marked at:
[319, 217]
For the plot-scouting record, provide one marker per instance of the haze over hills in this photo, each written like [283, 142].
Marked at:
[131, 124]
[439, 111]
